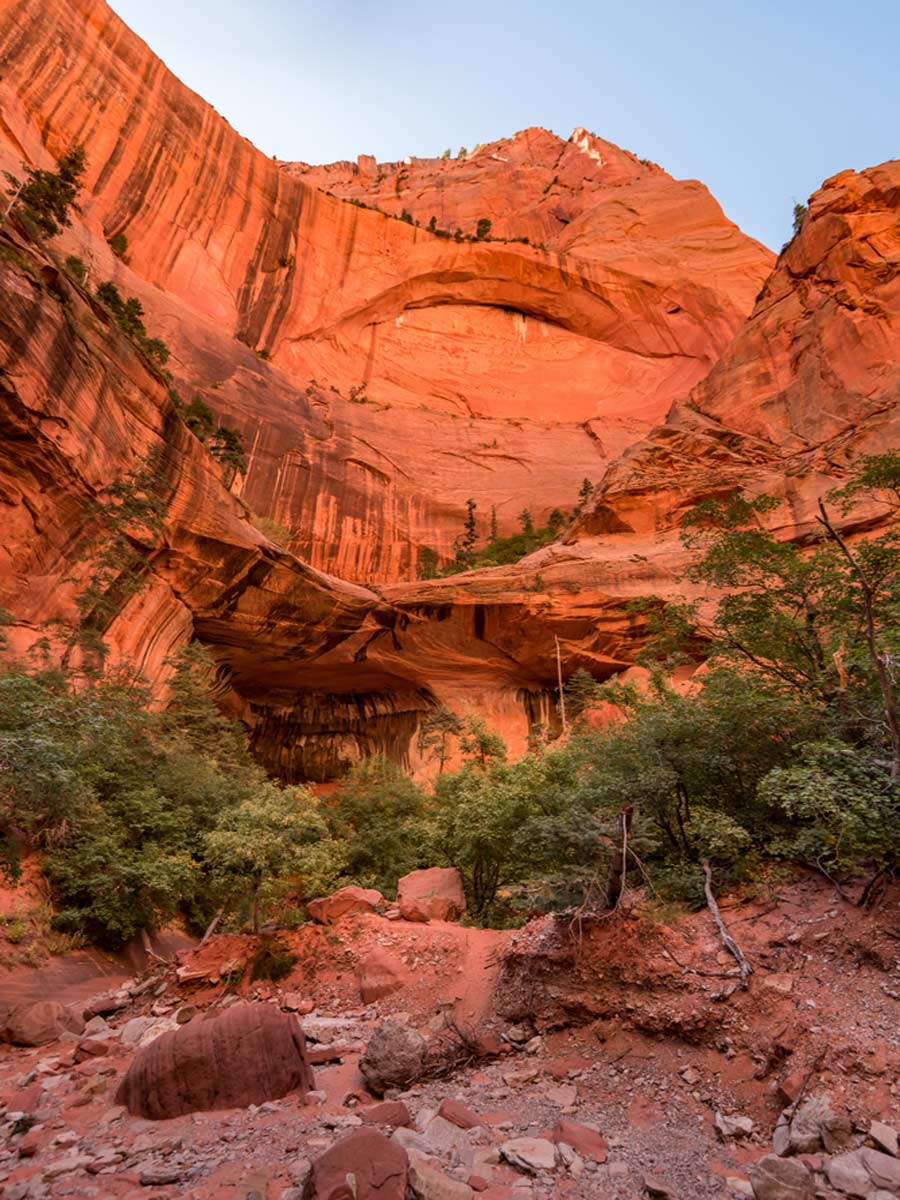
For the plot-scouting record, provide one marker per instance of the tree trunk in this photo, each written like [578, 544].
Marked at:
[618, 868]
[888, 700]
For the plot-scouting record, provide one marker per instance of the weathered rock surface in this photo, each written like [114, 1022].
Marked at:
[365, 1165]
[394, 1057]
[529, 1154]
[861, 1172]
[40, 1023]
[774, 1178]
[815, 1125]
[247, 1054]
[432, 894]
[586, 1141]
[329, 909]
[380, 974]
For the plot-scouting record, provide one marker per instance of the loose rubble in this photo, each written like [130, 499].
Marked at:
[617, 1076]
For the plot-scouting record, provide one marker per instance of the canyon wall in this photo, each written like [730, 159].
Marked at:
[381, 374]
[492, 370]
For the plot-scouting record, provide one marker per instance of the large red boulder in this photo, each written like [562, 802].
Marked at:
[363, 1166]
[329, 909]
[244, 1055]
[433, 894]
[40, 1023]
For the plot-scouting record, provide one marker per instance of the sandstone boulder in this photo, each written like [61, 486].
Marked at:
[459, 1114]
[365, 1165]
[815, 1124]
[433, 894]
[40, 1023]
[774, 1178]
[862, 1172]
[394, 1057]
[329, 909]
[245, 1055]
[380, 974]
[426, 1182]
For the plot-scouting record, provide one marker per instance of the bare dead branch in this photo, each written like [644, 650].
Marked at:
[727, 940]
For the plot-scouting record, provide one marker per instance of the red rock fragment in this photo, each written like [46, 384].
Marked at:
[457, 1113]
[588, 1142]
[363, 1166]
[389, 1112]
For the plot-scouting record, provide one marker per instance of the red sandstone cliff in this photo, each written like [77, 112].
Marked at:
[494, 370]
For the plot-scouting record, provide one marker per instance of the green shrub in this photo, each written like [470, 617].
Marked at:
[48, 198]
[75, 268]
[272, 962]
[118, 243]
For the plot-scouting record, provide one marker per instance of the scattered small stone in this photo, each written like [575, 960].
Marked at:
[733, 1126]
[529, 1154]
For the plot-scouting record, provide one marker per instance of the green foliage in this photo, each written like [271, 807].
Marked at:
[274, 530]
[483, 229]
[118, 243]
[128, 314]
[48, 198]
[272, 839]
[584, 494]
[479, 744]
[841, 806]
[126, 521]
[75, 268]
[800, 211]
[224, 443]
[434, 733]
[272, 962]
[820, 621]
[376, 816]
[143, 816]
[428, 563]
[580, 691]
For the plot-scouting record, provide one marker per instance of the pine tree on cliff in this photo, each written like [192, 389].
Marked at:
[437, 727]
[48, 197]
[465, 546]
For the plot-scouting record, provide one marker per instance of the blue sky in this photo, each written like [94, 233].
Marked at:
[760, 100]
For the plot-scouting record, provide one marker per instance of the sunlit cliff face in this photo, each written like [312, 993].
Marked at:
[382, 374]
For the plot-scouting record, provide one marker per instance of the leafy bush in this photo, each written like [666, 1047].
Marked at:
[75, 268]
[272, 961]
[118, 243]
[128, 314]
[376, 816]
[142, 816]
[48, 198]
